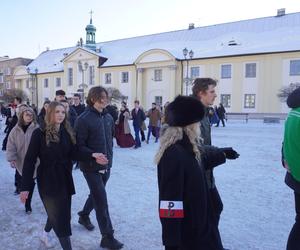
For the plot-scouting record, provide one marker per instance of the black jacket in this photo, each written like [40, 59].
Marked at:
[79, 109]
[94, 133]
[113, 111]
[182, 179]
[72, 115]
[55, 170]
[138, 117]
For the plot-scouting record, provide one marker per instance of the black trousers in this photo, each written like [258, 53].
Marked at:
[98, 200]
[294, 237]
[58, 208]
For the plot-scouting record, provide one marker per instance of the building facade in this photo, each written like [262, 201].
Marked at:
[251, 59]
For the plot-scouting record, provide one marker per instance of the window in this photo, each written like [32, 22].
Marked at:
[46, 83]
[249, 101]
[226, 71]
[70, 76]
[195, 72]
[107, 78]
[250, 70]
[157, 75]
[124, 77]
[294, 67]
[8, 85]
[158, 100]
[27, 84]
[58, 82]
[7, 71]
[1, 78]
[226, 101]
[91, 75]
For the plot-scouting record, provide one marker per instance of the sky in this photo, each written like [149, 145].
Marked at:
[29, 27]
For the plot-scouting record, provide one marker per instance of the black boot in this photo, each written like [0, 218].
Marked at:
[109, 241]
[85, 221]
[65, 243]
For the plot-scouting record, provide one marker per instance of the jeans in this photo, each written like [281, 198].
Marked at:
[155, 130]
[98, 200]
[137, 136]
[294, 237]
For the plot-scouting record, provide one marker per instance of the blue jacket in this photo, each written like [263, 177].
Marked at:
[94, 133]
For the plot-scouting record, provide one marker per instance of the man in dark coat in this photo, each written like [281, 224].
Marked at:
[94, 132]
[77, 106]
[138, 117]
[204, 91]
[221, 114]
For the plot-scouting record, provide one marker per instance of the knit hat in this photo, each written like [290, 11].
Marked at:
[293, 100]
[60, 92]
[184, 111]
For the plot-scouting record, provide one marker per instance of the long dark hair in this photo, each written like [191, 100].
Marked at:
[52, 134]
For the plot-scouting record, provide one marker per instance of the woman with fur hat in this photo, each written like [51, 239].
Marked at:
[291, 161]
[17, 145]
[185, 208]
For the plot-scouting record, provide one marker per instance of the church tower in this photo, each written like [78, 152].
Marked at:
[90, 34]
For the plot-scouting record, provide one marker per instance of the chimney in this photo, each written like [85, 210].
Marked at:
[191, 26]
[47, 48]
[280, 12]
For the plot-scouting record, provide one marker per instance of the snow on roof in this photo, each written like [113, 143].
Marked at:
[261, 35]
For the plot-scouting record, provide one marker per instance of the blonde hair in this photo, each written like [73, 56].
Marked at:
[52, 133]
[170, 135]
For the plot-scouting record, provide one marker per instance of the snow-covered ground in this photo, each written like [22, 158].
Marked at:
[258, 207]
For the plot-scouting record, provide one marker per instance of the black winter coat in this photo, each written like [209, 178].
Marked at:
[182, 183]
[55, 170]
[138, 117]
[94, 133]
[79, 109]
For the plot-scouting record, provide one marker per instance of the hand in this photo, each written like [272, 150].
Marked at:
[100, 158]
[286, 166]
[230, 153]
[24, 196]
[13, 164]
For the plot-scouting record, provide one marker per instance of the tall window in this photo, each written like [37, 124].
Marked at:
[294, 67]
[1, 78]
[70, 76]
[46, 83]
[7, 71]
[124, 77]
[27, 83]
[158, 75]
[195, 72]
[107, 78]
[226, 71]
[58, 82]
[91, 75]
[249, 101]
[250, 70]
[8, 85]
[226, 100]
[158, 100]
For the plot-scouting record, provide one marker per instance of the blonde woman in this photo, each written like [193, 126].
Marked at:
[184, 205]
[55, 147]
[17, 145]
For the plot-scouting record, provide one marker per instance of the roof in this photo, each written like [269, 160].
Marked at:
[260, 35]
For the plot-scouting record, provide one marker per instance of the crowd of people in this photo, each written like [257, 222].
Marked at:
[43, 148]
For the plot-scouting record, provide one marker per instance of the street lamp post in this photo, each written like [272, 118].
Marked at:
[33, 87]
[188, 81]
[82, 68]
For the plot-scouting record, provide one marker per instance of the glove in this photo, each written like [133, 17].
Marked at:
[230, 153]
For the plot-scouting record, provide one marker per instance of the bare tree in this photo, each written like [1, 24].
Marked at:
[285, 91]
[10, 94]
[115, 95]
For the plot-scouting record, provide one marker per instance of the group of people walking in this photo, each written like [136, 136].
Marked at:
[190, 205]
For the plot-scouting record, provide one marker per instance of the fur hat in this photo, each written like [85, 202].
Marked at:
[293, 100]
[60, 92]
[184, 111]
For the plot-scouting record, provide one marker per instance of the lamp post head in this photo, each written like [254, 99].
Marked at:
[36, 70]
[28, 70]
[86, 65]
[185, 52]
[191, 54]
